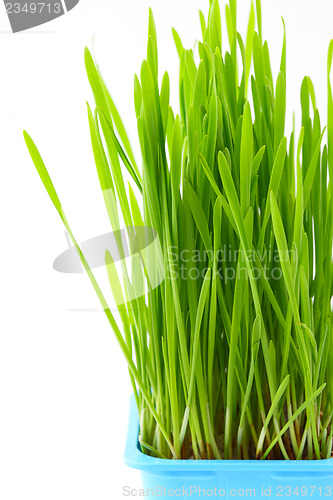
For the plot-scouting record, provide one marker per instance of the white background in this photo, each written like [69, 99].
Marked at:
[64, 390]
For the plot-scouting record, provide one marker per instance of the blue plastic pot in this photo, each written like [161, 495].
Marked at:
[309, 479]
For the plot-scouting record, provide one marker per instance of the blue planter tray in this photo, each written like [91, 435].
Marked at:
[197, 479]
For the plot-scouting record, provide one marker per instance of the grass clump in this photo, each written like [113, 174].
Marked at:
[230, 356]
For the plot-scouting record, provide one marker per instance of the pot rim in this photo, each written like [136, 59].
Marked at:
[134, 458]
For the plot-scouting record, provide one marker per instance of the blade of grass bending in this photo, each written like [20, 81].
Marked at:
[103, 170]
[105, 178]
[42, 171]
[119, 126]
[274, 405]
[290, 421]
[128, 165]
[117, 177]
[96, 84]
[152, 449]
[102, 103]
